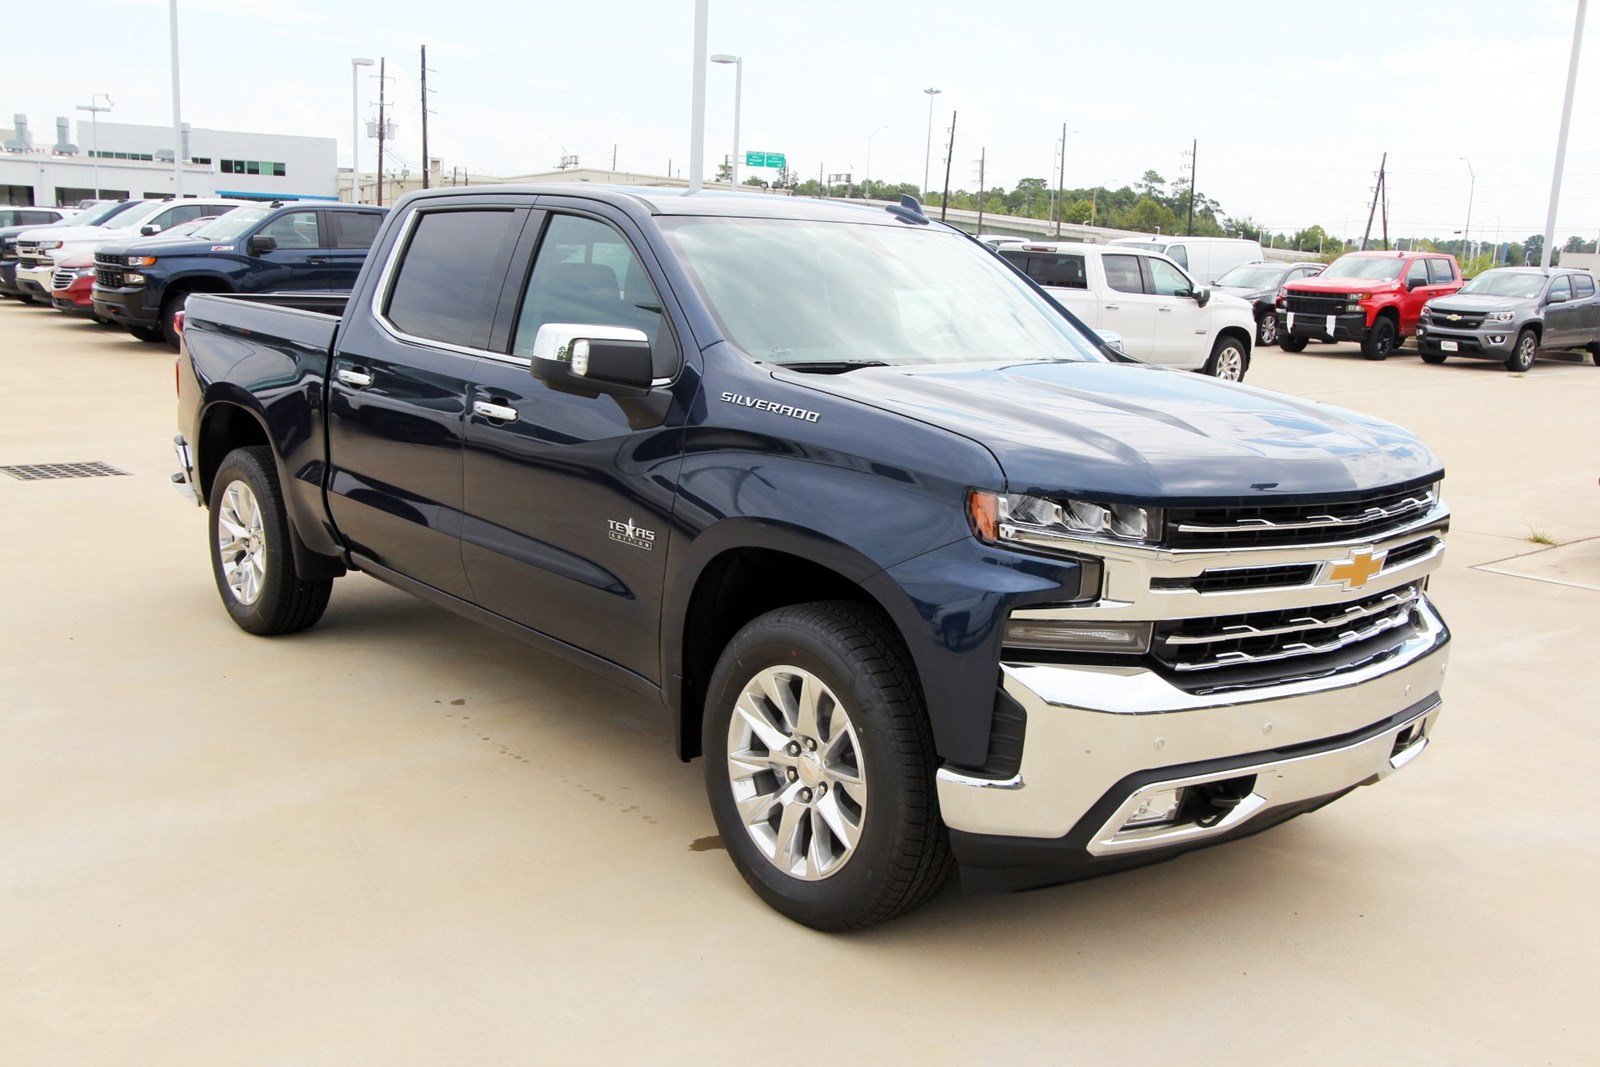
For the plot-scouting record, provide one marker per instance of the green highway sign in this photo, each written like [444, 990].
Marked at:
[766, 159]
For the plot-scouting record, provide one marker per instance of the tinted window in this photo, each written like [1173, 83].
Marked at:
[1122, 273]
[1179, 255]
[295, 229]
[451, 273]
[586, 273]
[354, 229]
[1307, 272]
[1417, 273]
[31, 217]
[1561, 287]
[1167, 279]
[1062, 271]
[1582, 285]
[1440, 272]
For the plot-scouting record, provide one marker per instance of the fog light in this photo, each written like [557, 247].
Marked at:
[1497, 338]
[133, 279]
[1051, 635]
[1156, 808]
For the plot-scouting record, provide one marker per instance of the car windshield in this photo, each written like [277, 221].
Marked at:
[1252, 276]
[806, 292]
[1152, 246]
[1506, 283]
[228, 226]
[1367, 268]
[101, 212]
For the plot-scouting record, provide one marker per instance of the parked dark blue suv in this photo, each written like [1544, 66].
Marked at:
[275, 248]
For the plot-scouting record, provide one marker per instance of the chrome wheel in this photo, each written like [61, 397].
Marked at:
[795, 767]
[1527, 348]
[1229, 364]
[1267, 329]
[241, 543]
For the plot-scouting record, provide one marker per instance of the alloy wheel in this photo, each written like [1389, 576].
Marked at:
[1267, 330]
[1230, 364]
[242, 543]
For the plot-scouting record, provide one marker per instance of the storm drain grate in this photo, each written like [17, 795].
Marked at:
[38, 472]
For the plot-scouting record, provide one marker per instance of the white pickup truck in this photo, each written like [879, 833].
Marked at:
[1163, 317]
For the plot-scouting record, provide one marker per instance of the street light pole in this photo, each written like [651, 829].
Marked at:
[866, 179]
[697, 102]
[1472, 188]
[355, 127]
[1561, 141]
[738, 92]
[177, 120]
[94, 110]
[927, 155]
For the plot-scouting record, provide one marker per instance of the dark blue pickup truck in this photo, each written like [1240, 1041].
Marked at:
[928, 576]
[297, 248]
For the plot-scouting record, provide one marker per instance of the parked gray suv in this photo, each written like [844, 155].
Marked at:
[1510, 313]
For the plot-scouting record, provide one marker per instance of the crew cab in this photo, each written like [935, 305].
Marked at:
[1373, 298]
[277, 247]
[927, 575]
[1161, 315]
[1510, 313]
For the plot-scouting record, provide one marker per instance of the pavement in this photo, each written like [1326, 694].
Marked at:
[402, 838]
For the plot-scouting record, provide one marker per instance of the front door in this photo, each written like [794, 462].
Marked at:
[1561, 315]
[1126, 307]
[569, 498]
[299, 261]
[399, 395]
[1182, 325]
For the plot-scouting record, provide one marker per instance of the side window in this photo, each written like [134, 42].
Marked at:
[1061, 271]
[353, 229]
[294, 229]
[1582, 285]
[1417, 273]
[1167, 279]
[1440, 272]
[1561, 287]
[451, 273]
[1179, 255]
[1307, 272]
[586, 272]
[1016, 259]
[1122, 273]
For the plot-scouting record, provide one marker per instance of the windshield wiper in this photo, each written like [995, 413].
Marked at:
[831, 366]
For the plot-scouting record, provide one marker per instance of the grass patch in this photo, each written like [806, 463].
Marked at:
[1539, 537]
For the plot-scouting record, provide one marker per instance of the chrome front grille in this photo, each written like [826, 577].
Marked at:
[61, 278]
[1368, 515]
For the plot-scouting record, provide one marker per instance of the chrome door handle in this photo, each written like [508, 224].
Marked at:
[1164, 310]
[498, 412]
[1113, 307]
[355, 377]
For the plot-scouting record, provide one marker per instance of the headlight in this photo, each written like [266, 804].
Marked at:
[141, 261]
[1502, 316]
[133, 279]
[1036, 522]
[1427, 313]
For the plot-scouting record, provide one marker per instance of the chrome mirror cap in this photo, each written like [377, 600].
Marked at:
[566, 342]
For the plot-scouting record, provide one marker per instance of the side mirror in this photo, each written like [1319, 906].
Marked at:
[589, 359]
[1557, 298]
[149, 229]
[261, 242]
[1415, 283]
[1203, 296]
[1112, 340]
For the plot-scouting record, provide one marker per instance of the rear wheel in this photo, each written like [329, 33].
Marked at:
[1433, 357]
[1381, 340]
[820, 767]
[1228, 360]
[1522, 356]
[1267, 329]
[149, 334]
[1290, 343]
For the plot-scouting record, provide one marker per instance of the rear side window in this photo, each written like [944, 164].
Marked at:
[1061, 271]
[1440, 272]
[1122, 273]
[354, 229]
[29, 217]
[450, 275]
[1582, 285]
[1179, 255]
[1417, 273]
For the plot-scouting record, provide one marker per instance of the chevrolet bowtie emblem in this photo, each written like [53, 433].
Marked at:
[1453, 318]
[1355, 572]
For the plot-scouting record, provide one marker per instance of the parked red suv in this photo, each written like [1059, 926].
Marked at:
[1370, 297]
[72, 283]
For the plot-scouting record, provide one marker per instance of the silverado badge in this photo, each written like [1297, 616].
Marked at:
[1355, 572]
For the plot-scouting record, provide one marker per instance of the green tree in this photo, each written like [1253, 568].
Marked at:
[1147, 216]
[1152, 186]
[1078, 211]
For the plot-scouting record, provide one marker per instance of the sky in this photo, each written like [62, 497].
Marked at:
[1292, 104]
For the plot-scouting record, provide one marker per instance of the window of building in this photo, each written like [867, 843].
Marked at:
[204, 161]
[279, 170]
[17, 194]
[69, 195]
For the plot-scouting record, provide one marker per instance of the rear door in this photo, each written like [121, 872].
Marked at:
[1583, 292]
[1065, 275]
[398, 392]
[1125, 306]
[569, 498]
[349, 234]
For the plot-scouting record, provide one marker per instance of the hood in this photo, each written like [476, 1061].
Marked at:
[1323, 283]
[68, 234]
[181, 244]
[1479, 302]
[1116, 431]
[1245, 292]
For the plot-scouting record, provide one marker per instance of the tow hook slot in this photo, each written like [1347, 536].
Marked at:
[1209, 803]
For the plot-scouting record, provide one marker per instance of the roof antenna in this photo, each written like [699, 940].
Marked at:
[908, 210]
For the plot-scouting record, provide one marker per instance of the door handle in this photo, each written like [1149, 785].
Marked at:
[355, 377]
[1112, 307]
[496, 412]
[1164, 310]
[316, 261]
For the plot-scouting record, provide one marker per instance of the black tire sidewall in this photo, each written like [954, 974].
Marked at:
[252, 466]
[846, 898]
[1514, 363]
[1434, 357]
[1380, 329]
[1292, 344]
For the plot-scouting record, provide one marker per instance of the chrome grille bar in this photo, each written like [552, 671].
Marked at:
[1393, 601]
[1294, 650]
[1316, 522]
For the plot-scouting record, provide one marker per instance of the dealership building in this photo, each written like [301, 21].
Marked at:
[113, 160]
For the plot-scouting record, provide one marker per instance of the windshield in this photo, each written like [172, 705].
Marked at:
[1151, 245]
[1252, 276]
[101, 212]
[1506, 283]
[228, 226]
[1367, 268]
[799, 292]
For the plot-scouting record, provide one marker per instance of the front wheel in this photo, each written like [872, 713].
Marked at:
[1290, 343]
[1522, 356]
[1433, 357]
[1228, 360]
[151, 335]
[1381, 340]
[251, 557]
[1267, 329]
[820, 767]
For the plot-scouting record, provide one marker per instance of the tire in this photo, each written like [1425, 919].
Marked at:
[149, 334]
[1290, 343]
[1525, 352]
[1594, 354]
[1434, 357]
[1267, 330]
[1228, 360]
[26, 298]
[267, 598]
[1381, 340]
[169, 311]
[901, 853]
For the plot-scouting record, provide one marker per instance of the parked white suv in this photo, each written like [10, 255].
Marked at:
[1161, 314]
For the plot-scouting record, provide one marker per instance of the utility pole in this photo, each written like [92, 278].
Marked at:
[613, 159]
[1377, 190]
[382, 84]
[949, 154]
[1061, 184]
[1561, 140]
[1194, 150]
[982, 155]
[928, 152]
[426, 165]
[1386, 220]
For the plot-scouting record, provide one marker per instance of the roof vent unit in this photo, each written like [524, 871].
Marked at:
[63, 146]
[19, 143]
[164, 155]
